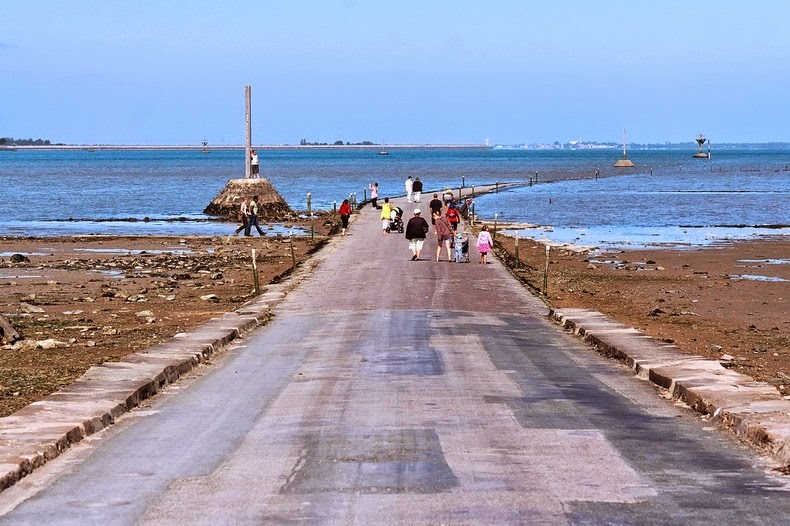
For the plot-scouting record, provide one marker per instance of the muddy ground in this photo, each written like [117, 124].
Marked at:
[727, 302]
[81, 301]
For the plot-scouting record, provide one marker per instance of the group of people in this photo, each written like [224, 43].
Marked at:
[417, 230]
[248, 215]
[413, 189]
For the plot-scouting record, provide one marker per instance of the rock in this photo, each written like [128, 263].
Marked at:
[591, 267]
[655, 312]
[727, 358]
[144, 314]
[717, 348]
[50, 343]
[19, 258]
[72, 312]
[31, 309]
[210, 297]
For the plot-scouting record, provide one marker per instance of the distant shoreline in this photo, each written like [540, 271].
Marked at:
[199, 147]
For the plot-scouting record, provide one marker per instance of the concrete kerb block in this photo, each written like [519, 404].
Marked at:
[753, 411]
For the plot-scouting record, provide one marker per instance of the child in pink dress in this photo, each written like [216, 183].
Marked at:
[484, 244]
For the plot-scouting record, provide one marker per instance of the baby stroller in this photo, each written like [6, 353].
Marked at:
[396, 220]
[461, 249]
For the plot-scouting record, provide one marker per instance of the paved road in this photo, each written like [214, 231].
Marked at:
[387, 391]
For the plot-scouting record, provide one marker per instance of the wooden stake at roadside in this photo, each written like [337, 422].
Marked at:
[546, 273]
[9, 332]
[255, 273]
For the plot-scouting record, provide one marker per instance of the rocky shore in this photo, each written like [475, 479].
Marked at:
[81, 301]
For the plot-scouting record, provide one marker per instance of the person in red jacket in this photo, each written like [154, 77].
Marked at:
[453, 216]
[345, 213]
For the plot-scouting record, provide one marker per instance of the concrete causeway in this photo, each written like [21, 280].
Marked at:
[29, 438]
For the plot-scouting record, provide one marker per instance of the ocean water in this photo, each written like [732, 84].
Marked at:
[668, 198]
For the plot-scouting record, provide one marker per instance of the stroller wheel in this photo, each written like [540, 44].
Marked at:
[387, 230]
[400, 229]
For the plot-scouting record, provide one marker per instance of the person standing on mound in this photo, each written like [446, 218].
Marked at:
[484, 244]
[416, 230]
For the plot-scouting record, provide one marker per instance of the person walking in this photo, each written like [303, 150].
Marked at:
[416, 230]
[447, 196]
[453, 216]
[386, 215]
[345, 213]
[374, 194]
[243, 215]
[253, 218]
[484, 244]
[436, 206]
[444, 233]
[417, 190]
[254, 167]
[409, 188]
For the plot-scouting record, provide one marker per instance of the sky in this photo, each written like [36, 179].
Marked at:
[400, 72]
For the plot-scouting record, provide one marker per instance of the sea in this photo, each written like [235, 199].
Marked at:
[568, 196]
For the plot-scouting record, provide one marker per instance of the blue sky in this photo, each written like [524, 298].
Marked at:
[442, 72]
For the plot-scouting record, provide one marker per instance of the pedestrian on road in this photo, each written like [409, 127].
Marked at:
[416, 230]
[386, 215]
[453, 215]
[243, 215]
[253, 218]
[417, 190]
[345, 213]
[447, 196]
[409, 188]
[444, 233]
[436, 206]
[254, 167]
[484, 244]
[374, 194]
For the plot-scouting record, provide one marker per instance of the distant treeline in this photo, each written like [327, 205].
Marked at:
[305, 142]
[8, 141]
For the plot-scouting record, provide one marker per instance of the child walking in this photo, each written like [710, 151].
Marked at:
[484, 244]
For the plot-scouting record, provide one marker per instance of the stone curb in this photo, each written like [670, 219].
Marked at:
[754, 411]
[41, 431]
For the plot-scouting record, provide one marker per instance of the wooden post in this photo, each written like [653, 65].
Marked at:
[518, 259]
[255, 273]
[248, 131]
[8, 330]
[293, 255]
[546, 273]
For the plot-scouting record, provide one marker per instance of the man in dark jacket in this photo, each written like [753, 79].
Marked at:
[416, 188]
[416, 230]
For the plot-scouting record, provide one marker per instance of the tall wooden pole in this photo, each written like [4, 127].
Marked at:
[248, 137]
